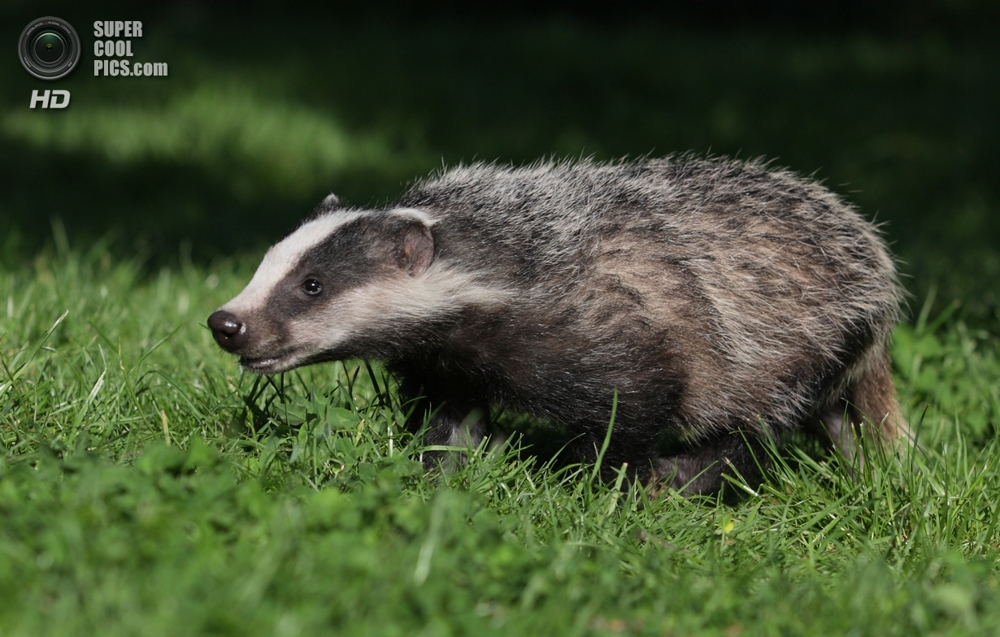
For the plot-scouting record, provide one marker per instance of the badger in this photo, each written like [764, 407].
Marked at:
[713, 303]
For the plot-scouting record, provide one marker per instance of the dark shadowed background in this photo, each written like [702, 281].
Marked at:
[895, 105]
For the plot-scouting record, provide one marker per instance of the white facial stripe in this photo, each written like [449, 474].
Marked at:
[392, 302]
[415, 213]
[283, 257]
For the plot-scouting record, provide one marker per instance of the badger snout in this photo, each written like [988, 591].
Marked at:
[229, 332]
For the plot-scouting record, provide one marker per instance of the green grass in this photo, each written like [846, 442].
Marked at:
[147, 487]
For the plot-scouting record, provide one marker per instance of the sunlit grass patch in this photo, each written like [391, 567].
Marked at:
[254, 141]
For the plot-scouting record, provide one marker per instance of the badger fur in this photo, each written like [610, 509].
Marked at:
[721, 301]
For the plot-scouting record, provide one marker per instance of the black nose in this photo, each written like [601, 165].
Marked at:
[229, 332]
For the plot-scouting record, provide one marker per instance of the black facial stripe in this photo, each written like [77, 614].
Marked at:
[355, 254]
[346, 258]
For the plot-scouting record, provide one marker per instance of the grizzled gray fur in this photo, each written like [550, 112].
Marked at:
[723, 300]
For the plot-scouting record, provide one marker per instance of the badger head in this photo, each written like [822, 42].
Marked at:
[345, 284]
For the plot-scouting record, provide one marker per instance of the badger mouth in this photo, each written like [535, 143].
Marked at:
[271, 364]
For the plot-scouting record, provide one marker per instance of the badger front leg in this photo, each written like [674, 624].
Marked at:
[702, 470]
[446, 422]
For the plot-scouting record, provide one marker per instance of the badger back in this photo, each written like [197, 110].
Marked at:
[765, 290]
[725, 220]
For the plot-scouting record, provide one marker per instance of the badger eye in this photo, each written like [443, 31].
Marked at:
[312, 287]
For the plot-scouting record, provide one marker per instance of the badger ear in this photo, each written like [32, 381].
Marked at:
[331, 203]
[416, 251]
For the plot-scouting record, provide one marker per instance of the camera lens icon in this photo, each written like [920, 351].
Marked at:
[49, 48]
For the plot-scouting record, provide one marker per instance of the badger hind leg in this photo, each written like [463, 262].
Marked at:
[873, 400]
[703, 469]
[868, 407]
